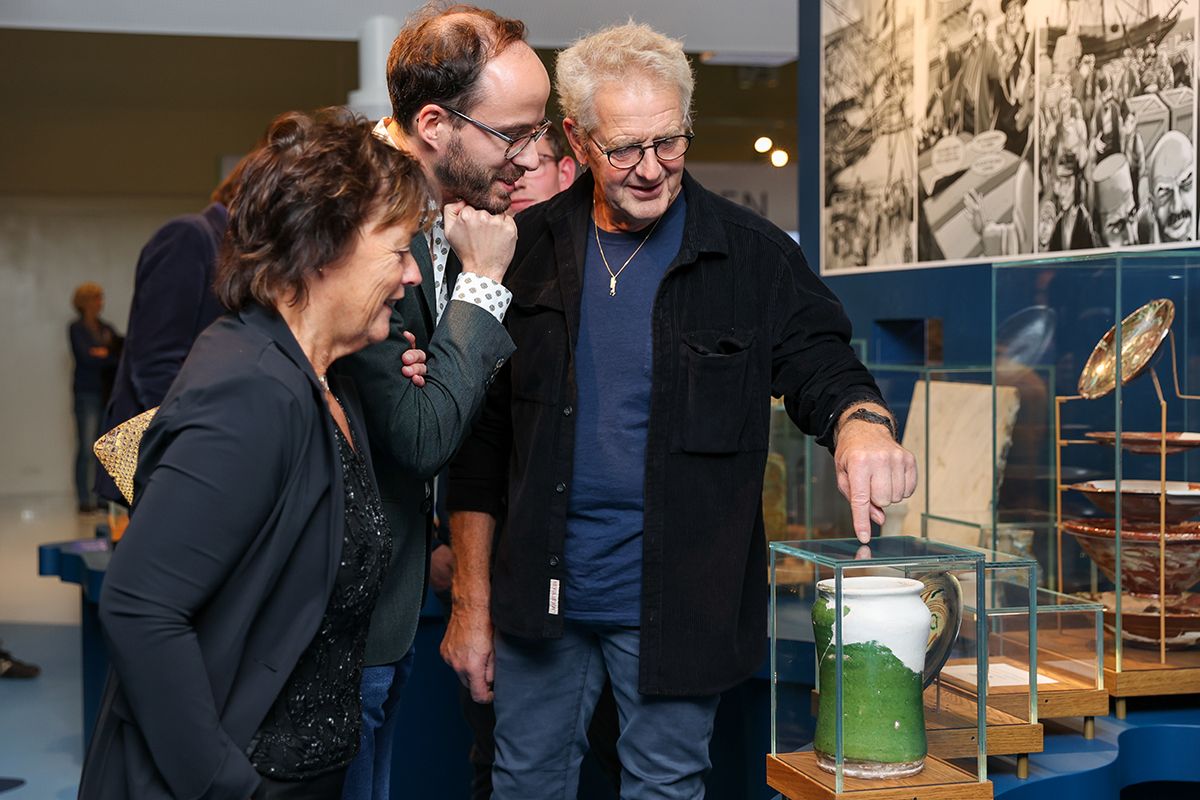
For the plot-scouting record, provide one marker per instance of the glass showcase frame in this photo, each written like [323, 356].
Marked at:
[955, 722]
[1116, 528]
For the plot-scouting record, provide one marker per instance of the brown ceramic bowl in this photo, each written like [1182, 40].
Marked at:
[1139, 620]
[1148, 442]
[1140, 499]
[1139, 553]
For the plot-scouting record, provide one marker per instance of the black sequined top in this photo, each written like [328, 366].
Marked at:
[314, 725]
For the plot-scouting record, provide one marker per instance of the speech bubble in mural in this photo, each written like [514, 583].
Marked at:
[988, 164]
[947, 155]
[987, 142]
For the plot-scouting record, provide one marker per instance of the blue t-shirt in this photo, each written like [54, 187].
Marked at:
[603, 549]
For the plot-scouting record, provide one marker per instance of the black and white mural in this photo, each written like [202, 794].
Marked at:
[1018, 127]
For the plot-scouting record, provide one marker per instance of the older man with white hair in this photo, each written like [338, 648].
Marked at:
[625, 442]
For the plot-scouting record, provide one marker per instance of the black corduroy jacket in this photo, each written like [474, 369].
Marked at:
[738, 318]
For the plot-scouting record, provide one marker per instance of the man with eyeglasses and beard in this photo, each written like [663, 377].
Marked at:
[624, 444]
[469, 102]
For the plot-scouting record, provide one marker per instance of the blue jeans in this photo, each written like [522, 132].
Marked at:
[369, 775]
[88, 408]
[546, 691]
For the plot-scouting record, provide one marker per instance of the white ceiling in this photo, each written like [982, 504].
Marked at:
[737, 31]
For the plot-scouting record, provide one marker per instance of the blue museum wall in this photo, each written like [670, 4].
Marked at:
[960, 295]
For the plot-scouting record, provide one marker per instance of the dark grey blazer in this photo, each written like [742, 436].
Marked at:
[224, 573]
[414, 432]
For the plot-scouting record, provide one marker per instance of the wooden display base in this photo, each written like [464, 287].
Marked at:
[797, 777]
[950, 723]
[1070, 694]
[952, 731]
[1142, 675]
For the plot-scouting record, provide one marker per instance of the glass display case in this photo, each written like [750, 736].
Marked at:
[800, 497]
[1062, 676]
[938, 410]
[884, 619]
[1108, 482]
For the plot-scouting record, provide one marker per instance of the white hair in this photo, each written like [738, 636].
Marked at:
[620, 54]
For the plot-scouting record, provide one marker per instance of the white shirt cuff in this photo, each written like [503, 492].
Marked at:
[483, 292]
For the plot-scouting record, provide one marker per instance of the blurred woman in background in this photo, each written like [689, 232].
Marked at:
[94, 347]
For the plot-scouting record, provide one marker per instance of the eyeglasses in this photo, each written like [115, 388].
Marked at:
[628, 156]
[515, 144]
[543, 160]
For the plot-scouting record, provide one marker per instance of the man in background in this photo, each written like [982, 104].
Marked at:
[173, 302]
[555, 171]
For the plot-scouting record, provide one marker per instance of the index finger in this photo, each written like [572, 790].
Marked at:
[412, 340]
[860, 502]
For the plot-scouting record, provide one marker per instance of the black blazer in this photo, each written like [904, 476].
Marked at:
[173, 302]
[224, 573]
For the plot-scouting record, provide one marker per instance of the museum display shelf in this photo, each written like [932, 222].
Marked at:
[882, 706]
[1062, 676]
[1121, 455]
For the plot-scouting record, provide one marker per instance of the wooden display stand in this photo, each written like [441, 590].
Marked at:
[1144, 675]
[1143, 672]
[1071, 694]
[798, 777]
[951, 727]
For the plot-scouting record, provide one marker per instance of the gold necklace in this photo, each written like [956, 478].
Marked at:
[612, 276]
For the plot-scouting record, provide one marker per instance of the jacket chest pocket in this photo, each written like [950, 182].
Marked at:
[720, 409]
[540, 334]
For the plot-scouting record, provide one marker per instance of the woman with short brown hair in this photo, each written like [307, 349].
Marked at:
[237, 604]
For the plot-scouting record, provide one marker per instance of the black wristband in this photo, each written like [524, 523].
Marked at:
[867, 415]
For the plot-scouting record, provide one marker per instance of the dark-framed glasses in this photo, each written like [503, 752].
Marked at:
[543, 160]
[516, 144]
[628, 156]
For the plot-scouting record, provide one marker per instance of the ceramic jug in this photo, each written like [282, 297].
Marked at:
[893, 645]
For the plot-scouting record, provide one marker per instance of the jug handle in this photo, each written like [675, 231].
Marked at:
[943, 596]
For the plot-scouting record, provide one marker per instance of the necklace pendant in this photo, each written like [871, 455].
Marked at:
[612, 286]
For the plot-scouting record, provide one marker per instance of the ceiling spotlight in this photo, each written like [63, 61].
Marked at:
[779, 158]
[762, 144]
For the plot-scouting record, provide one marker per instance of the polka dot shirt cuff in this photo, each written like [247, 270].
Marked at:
[483, 292]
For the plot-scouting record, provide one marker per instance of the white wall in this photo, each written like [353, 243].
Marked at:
[771, 191]
[48, 247]
[748, 31]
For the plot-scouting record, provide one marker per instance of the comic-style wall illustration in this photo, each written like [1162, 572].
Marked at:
[1036, 127]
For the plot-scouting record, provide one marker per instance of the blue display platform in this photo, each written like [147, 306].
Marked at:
[83, 562]
[1158, 741]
